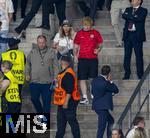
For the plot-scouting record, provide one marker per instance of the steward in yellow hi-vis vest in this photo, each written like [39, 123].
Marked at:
[9, 88]
[12, 92]
[17, 58]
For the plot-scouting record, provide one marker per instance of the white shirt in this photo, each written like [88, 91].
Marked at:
[133, 27]
[63, 42]
[131, 132]
[6, 7]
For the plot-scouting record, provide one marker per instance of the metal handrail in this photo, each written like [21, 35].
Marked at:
[137, 91]
[145, 99]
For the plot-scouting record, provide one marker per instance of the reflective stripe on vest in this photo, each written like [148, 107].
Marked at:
[17, 58]
[60, 93]
[12, 92]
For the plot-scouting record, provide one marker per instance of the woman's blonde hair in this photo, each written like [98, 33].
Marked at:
[140, 133]
[70, 35]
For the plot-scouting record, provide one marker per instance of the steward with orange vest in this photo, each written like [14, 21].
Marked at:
[66, 96]
[62, 89]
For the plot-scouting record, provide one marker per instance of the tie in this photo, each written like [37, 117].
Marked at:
[134, 10]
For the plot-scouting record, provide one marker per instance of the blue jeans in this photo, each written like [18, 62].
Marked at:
[44, 91]
[104, 120]
[3, 46]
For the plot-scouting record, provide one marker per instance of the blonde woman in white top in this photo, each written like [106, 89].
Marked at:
[140, 133]
[63, 41]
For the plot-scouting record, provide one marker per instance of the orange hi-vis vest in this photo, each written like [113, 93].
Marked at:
[60, 93]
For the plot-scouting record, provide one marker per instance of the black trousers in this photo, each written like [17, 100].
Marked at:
[100, 3]
[104, 120]
[61, 10]
[49, 6]
[93, 8]
[83, 6]
[23, 7]
[10, 107]
[34, 9]
[64, 116]
[131, 43]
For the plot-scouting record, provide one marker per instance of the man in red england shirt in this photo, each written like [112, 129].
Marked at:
[87, 46]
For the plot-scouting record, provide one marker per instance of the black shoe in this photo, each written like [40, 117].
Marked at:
[21, 34]
[125, 78]
[44, 27]
[22, 15]
[17, 30]
[139, 77]
[99, 8]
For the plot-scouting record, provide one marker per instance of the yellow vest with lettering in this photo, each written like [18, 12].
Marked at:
[17, 58]
[12, 92]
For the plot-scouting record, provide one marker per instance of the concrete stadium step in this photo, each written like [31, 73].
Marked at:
[112, 43]
[83, 110]
[120, 51]
[118, 59]
[102, 22]
[39, 135]
[90, 116]
[84, 133]
[118, 68]
[87, 124]
[33, 32]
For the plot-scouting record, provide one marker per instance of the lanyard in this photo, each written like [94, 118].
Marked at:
[42, 56]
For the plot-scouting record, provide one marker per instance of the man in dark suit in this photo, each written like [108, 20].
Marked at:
[134, 36]
[103, 89]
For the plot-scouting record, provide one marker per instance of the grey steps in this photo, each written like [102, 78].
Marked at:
[84, 133]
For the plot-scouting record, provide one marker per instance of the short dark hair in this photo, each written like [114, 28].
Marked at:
[105, 70]
[66, 58]
[137, 120]
[41, 36]
[140, 3]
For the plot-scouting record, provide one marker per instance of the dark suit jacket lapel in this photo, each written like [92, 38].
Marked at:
[138, 10]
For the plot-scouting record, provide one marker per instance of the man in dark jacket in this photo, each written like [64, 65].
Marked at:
[134, 36]
[103, 89]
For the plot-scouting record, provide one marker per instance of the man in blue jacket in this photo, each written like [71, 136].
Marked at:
[103, 90]
[134, 36]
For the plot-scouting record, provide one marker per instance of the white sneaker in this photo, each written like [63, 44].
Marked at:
[84, 101]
